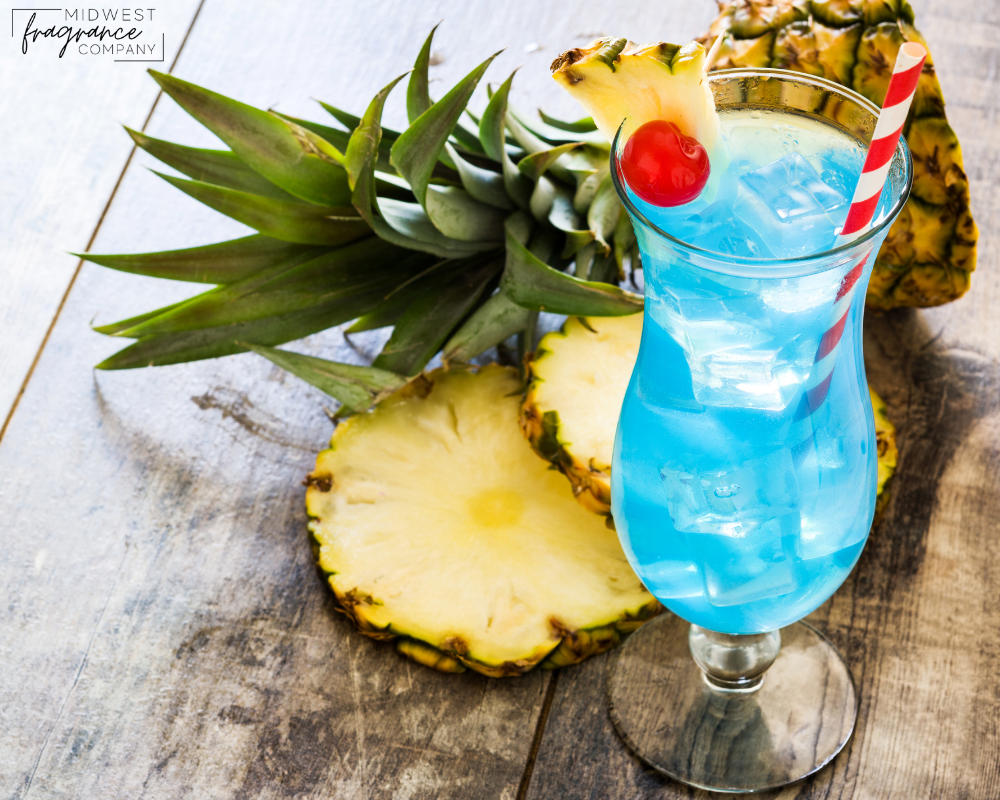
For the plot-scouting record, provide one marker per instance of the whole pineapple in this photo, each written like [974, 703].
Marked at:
[930, 252]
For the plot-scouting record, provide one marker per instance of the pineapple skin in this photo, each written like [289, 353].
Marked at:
[888, 453]
[574, 645]
[930, 253]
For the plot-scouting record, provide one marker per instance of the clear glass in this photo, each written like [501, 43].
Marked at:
[744, 471]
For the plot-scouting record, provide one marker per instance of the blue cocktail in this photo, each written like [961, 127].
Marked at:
[740, 506]
[744, 471]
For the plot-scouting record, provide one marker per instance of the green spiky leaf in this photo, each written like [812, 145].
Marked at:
[401, 223]
[417, 149]
[535, 285]
[534, 165]
[358, 388]
[116, 328]
[225, 262]
[196, 345]
[418, 97]
[304, 223]
[490, 324]
[493, 139]
[358, 269]
[425, 326]
[554, 134]
[219, 167]
[299, 161]
[585, 125]
[604, 213]
[483, 184]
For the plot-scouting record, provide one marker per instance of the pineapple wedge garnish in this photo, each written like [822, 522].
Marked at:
[438, 527]
[615, 79]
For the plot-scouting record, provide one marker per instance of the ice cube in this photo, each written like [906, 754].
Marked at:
[791, 189]
[673, 578]
[827, 478]
[738, 520]
[719, 230]
[792, 211]
[742, 571]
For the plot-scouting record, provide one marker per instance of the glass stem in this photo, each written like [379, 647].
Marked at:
[733, 662]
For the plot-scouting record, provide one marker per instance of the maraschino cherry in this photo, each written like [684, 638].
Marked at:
[663, 166]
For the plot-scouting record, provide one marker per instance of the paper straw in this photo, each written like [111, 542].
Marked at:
[874, 173]
[888, 129]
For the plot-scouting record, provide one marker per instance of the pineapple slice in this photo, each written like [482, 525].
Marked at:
[577, 382]
[438, 527]
[615, 78]
[888, 453]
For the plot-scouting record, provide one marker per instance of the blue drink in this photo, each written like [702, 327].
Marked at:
[744, 472]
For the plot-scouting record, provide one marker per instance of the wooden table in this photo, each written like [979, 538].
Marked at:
[163, 633]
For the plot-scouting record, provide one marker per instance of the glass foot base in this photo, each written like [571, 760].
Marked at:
[731, 741]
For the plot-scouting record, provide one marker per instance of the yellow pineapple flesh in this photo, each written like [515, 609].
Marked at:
[437, 527]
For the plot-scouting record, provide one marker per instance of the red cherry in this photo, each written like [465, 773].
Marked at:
[663, 166]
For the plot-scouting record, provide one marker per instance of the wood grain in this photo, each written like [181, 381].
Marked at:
[63, 153]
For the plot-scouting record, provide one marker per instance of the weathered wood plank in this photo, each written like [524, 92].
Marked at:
[64, 152]
[919, 618]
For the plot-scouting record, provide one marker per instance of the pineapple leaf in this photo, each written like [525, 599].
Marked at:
[425, 325]
[493, 139]
[297, 160]
[402, 297]
[604, 213]
[196, 345]
[535, 285]
[520, 226]
[532, 145]
[401, 223]
[304, 223]
[362, 149]
[483, 184]
[418, 97]
[564, 217]
[117, 328]
[220, 167]
[335, 136]
[585, 125]
[225, 262]
[350, 121]
[555, 134]
[490, 324]
[418, 148]
[455, 213]
[623, 240]
[534, 165]
[356, 269]
[542, 197]
[358, 388]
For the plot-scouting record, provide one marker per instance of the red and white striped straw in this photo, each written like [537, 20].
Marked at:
[888, 129]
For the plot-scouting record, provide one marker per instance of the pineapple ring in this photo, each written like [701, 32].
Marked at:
[578, 378]
[435, 523]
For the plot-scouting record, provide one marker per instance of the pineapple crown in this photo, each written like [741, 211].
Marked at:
[455, 231]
